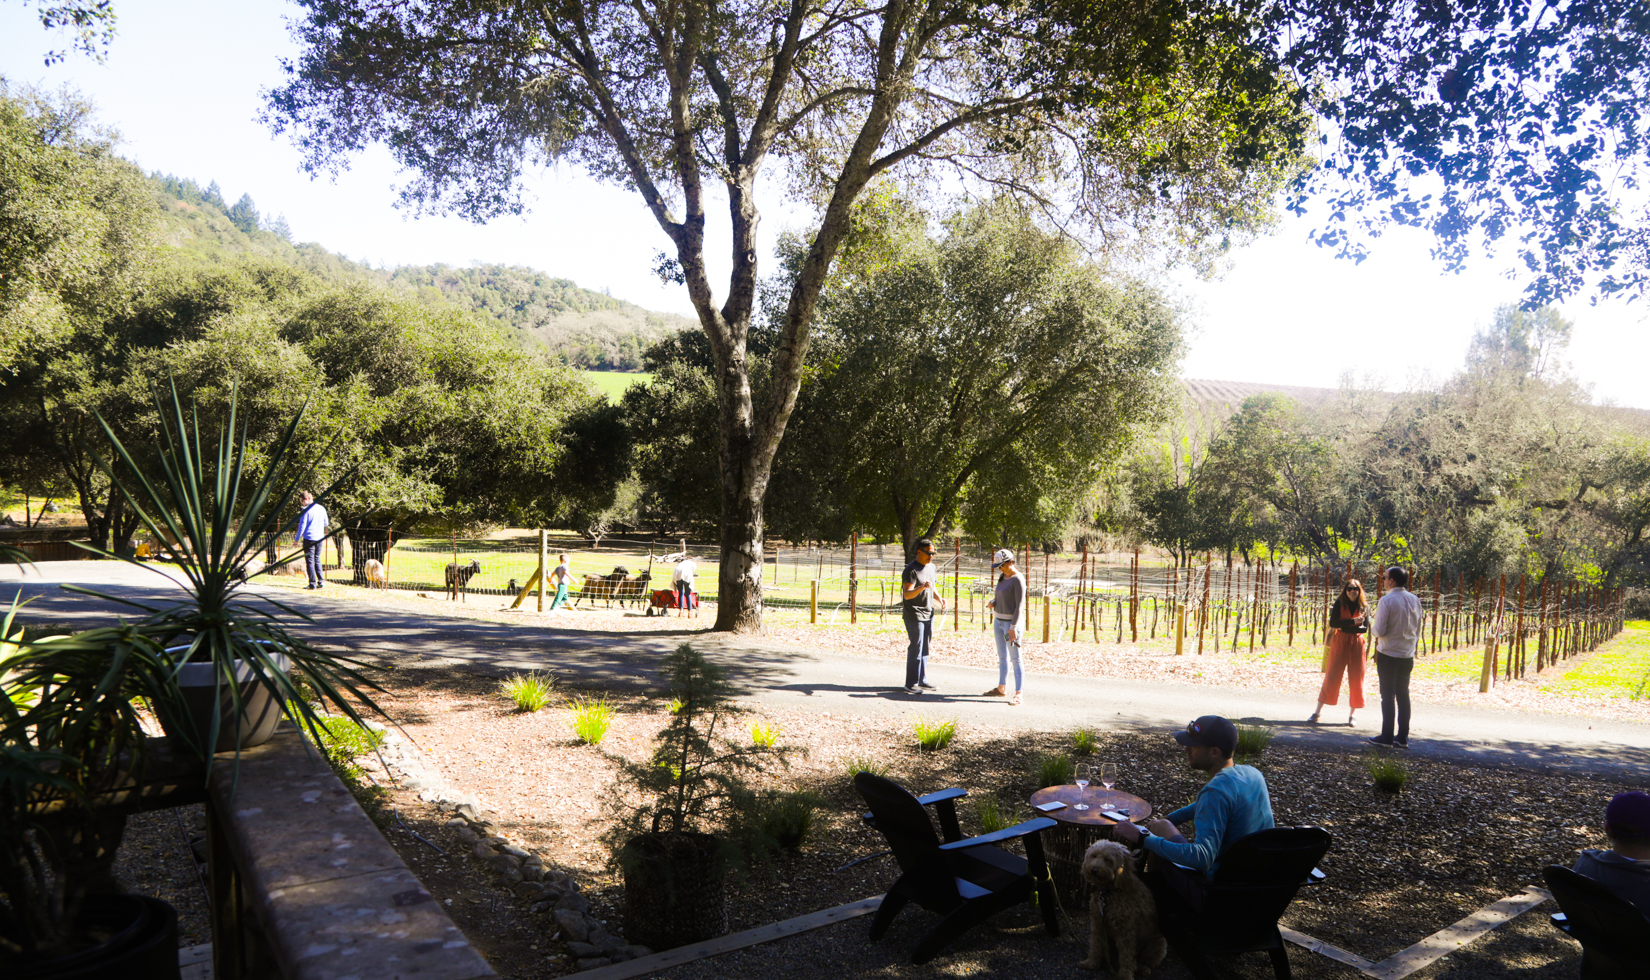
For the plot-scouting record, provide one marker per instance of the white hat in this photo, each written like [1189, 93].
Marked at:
[1002, 557]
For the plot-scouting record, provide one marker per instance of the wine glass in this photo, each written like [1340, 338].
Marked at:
[1082, 786]
[1108, 775]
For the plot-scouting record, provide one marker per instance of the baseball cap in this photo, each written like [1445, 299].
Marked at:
[1629, 812]
[1210, 730]
[1002, 555]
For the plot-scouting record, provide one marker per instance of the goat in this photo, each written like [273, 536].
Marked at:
[607, 587]
[378, 576]
[458, 576]
[633, 588]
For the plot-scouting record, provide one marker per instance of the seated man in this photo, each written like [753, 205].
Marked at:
[1625, 867]
[1233, 804]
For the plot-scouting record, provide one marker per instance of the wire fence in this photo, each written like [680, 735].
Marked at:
[1202, 605]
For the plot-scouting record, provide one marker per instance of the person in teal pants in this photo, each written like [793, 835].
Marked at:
[561, 577]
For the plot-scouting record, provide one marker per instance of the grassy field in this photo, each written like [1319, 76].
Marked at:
[1620, 668]
[613, 383]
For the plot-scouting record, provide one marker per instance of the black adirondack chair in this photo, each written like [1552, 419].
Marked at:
[1237, 910]
[1614, 934]
[964, 879]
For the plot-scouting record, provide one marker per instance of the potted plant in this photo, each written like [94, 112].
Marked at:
[236, 667]
[676, 845]
[69, 735]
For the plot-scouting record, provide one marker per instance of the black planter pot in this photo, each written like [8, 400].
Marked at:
[675, 889]
[138, 941]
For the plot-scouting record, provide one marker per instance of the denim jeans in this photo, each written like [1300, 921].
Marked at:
[312, 562]
[921, 632]
[1008, 653]
[1394, 674]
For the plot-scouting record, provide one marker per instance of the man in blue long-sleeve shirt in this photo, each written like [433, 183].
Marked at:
[312, 534]
[1232, 805]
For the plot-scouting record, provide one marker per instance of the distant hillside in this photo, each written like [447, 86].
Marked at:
[1212, 394]
[585, 328]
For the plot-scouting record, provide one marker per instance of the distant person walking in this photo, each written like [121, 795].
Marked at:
[1397, 630]
[920, 595]
[1009, 628]
[1348, 624]
[312, 536]
[561, 578]
[683, 579]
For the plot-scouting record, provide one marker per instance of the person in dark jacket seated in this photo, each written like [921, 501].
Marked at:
[1233, 804]
[1625, 867]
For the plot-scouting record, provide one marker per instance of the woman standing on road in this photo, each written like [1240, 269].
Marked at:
[1348, 622]
[1009, 605]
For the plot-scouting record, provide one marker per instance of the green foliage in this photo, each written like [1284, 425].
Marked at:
[530, 691]
[764, 736]
[934, 735]
[1084, 741]
[674, 705]
[1387, 769]
[856, 766]
[343, 741]
[1054, 770]
[694, 781]
[1252, 741]
[592, 717]
[785, 819]
[991, 813]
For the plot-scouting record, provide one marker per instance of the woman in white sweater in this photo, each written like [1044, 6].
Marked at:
[1009, 606]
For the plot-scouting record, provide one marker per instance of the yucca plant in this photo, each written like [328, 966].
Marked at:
[220, 515]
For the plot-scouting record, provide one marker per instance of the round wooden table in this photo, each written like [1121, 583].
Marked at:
[1075, 830]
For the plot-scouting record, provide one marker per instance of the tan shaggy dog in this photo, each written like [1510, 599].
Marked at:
[1122, 914]
[378, 576]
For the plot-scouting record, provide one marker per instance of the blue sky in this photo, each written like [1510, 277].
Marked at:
[182, 84]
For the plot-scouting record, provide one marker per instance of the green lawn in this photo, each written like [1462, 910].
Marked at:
[613, 383]
[1620, 668]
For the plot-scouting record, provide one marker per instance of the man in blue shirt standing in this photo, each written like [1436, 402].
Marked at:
[1233, 804]
[311, 536]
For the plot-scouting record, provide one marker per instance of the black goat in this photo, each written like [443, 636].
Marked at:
[458, 576]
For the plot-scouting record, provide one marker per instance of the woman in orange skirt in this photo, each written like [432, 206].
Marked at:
[1346, 651]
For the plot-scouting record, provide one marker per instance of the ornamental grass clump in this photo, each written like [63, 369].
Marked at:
[1252, 742]
[934, 735]
[530, 691]
[856, 766]
[991, 813]
[765, 736]
[592, 717]
[785, 819]
[1389, 772]
[1084, 742]
[1054, 770]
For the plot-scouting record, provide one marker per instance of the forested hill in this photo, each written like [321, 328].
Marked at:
[585, 328]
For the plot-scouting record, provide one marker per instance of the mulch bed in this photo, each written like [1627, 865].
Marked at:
[1456, 839]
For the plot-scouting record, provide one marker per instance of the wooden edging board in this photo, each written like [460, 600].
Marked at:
[1452, 938]
[644, 965]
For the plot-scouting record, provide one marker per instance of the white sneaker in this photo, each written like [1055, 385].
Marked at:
[913, 689]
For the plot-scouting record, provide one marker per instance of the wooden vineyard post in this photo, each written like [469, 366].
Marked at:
[853, 578]
[1294, 574]
[544, 545]
[1047, 605]
[1437, 580]
[1203, 607]
[1180, 631]
[1134, 599]
[1077, 613]
[813, 600]
[956, 584]
[1254, 617]
[1488, 673]
[1460, 599]
[1518, 631]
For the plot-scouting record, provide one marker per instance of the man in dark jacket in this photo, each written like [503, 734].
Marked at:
[1625, 867]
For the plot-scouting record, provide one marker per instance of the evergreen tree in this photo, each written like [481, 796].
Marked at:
[214, 196]
[280, 228]
[244, 215]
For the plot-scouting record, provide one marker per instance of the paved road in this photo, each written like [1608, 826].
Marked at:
[802, 678]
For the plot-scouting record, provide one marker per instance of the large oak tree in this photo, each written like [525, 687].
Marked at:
[1162, 123]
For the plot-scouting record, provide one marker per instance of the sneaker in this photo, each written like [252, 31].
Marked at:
[914, 689]
[927, 686]
[1380, 739]
[1402, 743]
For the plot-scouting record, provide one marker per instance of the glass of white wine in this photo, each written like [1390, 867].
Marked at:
[1108, 775]
[1082, 787]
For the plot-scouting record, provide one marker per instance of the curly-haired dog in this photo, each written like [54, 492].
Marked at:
[1122, 914]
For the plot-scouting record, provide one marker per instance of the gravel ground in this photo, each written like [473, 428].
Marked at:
[155, 860]
[1455, 840]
